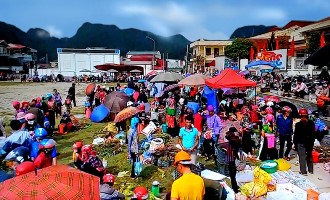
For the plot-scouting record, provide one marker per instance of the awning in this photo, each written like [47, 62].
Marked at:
[320, 57]
[118, 67]
[228, 78]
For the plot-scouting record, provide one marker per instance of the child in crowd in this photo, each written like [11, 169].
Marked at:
[68, 104]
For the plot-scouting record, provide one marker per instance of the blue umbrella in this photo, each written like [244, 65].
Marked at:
[128, 91]
[260, 64]
[141, 81]
[99, 113]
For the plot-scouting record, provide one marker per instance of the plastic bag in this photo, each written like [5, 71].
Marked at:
[244, 176]
[316, 143]
[261, 176]
[279, 195]
[230, 192]
[324, 196]
[254, 189]
[138, 167]
[283, 165]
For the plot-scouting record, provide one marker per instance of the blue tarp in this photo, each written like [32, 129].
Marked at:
[211, 96]
[99, 113]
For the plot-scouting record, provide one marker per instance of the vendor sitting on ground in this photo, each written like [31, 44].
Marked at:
[77, 154]
[16, 139]
[18, 156]
[31, 122]
[189, 185]
[91, 163]
[66, 122]
[47, 146]
[45, 156]
[107, 192]
[301, 89]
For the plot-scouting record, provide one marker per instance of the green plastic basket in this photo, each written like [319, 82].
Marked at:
[269, 169]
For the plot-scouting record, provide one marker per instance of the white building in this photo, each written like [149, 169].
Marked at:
[72, 61]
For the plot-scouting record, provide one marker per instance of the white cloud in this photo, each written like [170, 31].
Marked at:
[169, 12]
[166, 19]
[198, 20]
[201, 32]
[53, 31]
[270, 14]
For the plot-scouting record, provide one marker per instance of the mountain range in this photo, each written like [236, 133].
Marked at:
[108, 36]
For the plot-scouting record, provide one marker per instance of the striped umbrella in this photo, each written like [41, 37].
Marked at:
[126, 113]
[54, 182]
[171, 87]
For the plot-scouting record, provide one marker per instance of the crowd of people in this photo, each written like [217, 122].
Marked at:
[201, 127]
[265, 129]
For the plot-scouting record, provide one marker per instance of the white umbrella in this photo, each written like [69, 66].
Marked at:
[135, 71]
[166, 77]
[112, 71]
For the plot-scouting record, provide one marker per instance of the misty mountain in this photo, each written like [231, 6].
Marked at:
[250, 31]
[95, 35]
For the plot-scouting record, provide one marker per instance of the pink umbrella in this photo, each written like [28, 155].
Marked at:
[194, 80]
[272, 98]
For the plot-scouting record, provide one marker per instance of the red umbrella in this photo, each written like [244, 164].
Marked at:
[272, 98]
[126, 113]
[54, 182]
[116, 101]
[90, 88]
[151, 73]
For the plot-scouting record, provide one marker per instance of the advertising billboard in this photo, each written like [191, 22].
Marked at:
[277, 57]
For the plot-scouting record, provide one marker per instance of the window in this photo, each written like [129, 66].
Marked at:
[208, 51]
[216, 52]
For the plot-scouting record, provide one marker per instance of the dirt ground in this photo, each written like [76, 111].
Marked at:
[28, 91]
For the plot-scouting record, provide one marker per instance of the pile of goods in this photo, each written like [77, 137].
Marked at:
[324, 153]
[109, 148]
[273, 179]
[80, 123]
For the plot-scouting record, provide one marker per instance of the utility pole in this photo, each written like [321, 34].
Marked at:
[164, 62]
[186, 64]
[153, 53]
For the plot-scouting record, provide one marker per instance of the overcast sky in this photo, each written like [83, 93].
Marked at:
[209, 19]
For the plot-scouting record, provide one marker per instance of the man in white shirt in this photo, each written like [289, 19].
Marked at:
[301, 89]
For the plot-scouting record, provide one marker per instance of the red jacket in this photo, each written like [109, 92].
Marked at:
[198, 122]
[254, 117]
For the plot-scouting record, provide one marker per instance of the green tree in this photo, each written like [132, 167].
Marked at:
[199, 60]
[240, 48]
[313, 42]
